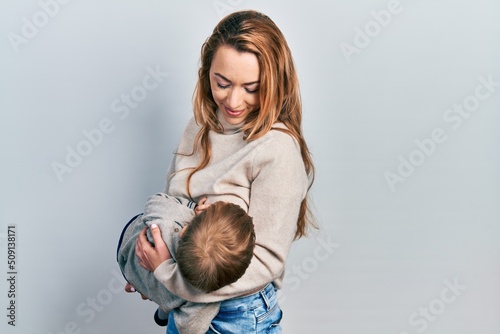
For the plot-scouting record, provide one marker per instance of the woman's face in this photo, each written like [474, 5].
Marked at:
[234, 80]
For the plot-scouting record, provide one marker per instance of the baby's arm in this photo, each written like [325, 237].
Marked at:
[170, 214]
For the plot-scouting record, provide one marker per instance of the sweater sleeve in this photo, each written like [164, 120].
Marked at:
[278, 187]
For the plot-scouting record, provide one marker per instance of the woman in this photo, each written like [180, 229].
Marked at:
[245, 146]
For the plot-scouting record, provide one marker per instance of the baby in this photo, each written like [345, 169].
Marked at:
[212, 245]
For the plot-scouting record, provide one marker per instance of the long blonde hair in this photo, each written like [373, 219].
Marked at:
[254, 32]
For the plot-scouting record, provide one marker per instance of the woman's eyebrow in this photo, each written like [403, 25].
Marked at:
[245, 84]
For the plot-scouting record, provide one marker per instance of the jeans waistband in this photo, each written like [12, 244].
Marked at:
[265, 296]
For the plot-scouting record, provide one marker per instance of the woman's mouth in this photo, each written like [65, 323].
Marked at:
[234, 113]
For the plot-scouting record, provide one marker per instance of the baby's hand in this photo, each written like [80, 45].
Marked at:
[201, 206]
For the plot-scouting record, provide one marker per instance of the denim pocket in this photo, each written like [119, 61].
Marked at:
[269, 321]
[262, 315]
[275, 327]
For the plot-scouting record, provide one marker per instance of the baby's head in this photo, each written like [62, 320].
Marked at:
[217, 247]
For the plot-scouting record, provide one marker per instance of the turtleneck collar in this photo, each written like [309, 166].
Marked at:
[228, 128]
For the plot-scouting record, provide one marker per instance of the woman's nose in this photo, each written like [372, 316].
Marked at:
[234, 98]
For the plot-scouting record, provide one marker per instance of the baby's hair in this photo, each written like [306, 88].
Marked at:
[217, 247]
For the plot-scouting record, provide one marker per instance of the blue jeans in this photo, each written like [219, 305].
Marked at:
[257, 313]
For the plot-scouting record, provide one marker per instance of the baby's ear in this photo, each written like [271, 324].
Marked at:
[183, 230]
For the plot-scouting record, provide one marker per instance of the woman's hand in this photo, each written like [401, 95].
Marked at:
[151, 257]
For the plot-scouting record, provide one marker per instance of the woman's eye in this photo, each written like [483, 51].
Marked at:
[253, 91]
[222, 86]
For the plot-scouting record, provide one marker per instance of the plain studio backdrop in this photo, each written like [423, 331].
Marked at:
[401, 111]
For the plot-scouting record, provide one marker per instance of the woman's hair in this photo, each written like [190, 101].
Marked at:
[217, 247]
[254, 32]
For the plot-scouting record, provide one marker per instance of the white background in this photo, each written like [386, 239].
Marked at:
[384, 257]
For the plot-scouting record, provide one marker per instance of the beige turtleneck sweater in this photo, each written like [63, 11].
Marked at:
[266, 177]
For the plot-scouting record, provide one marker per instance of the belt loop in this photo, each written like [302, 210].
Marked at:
[264, 297]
